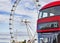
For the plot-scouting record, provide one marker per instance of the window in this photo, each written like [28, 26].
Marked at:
[47, 25]
[45, 14]
[40, 15]
[44, 40]
[51, 14]
[53, 11]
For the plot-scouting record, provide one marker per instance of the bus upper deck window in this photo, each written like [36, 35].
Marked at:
[52, 11]
[51, 14]
[40, 15]
[44, 14]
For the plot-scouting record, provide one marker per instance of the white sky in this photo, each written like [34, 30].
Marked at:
[25, 10]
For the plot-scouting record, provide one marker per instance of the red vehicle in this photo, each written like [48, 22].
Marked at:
[48, 23]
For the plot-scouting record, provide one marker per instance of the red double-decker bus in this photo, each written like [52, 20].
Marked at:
[48, 23]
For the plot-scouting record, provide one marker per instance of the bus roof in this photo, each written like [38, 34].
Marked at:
[52, 4]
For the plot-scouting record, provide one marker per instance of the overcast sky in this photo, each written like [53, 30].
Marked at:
[26, 9]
